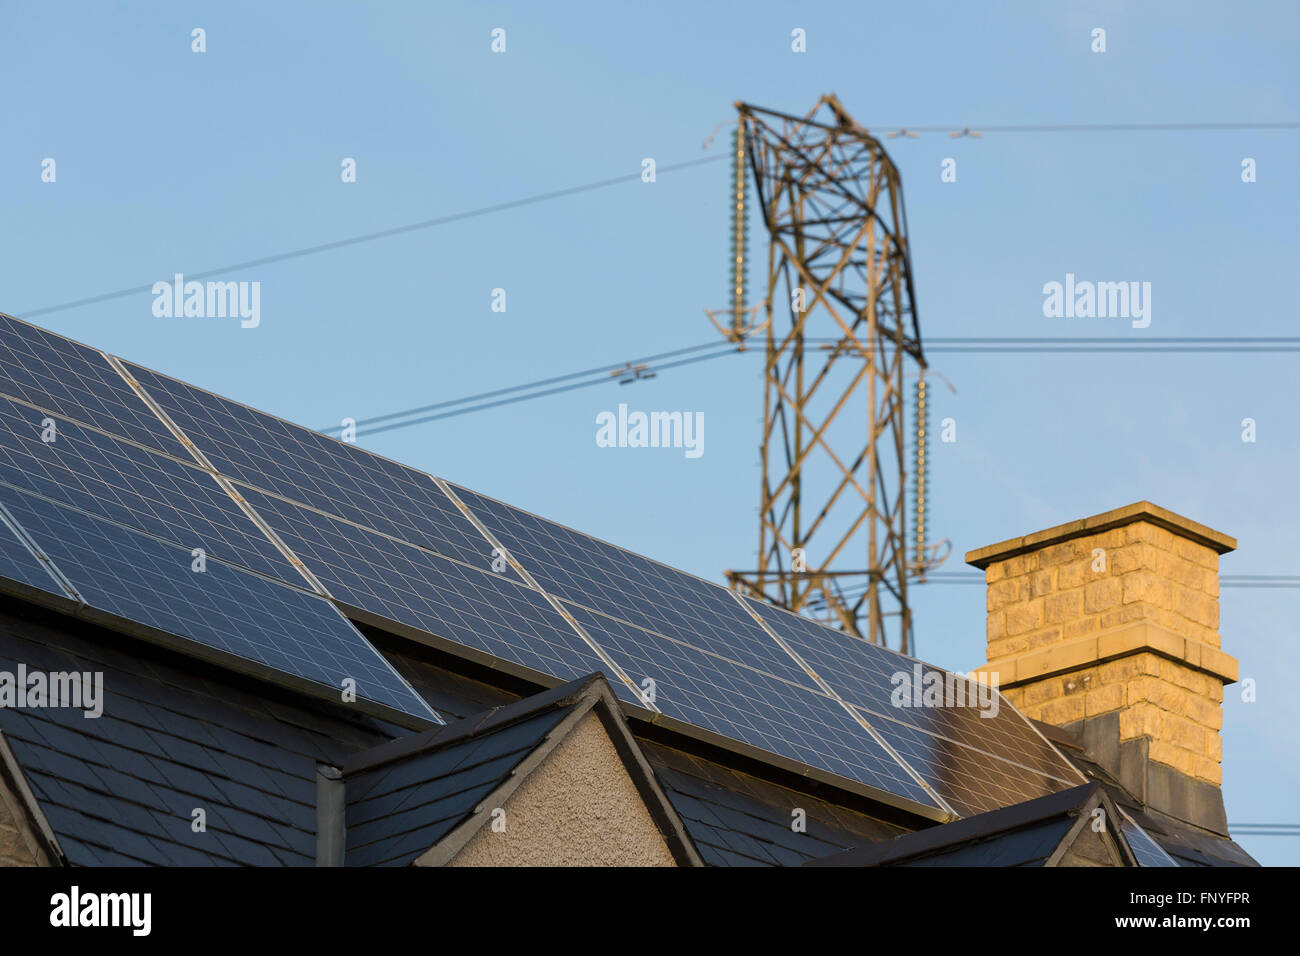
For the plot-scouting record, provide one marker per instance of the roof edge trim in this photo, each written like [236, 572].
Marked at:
[11, 773]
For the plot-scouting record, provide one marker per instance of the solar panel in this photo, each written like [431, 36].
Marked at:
[971, 781]
[645, 596]
[305, 467]
[868, 676]
[602, 577]
[17, 563]
[75, 382]
[752, 706]
[402, 584]
[1147, 850]
[239, 615]
[134, 487]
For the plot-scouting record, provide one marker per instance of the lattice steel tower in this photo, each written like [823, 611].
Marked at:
[840, 320]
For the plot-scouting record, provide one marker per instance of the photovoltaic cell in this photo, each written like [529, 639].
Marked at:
[751, 706]
[1147, 850]
[618, 583]
[19, 564]
[140, 489]
[75, 382]
[971, 781]
[149, 582]
[403, 584]
[867, 676]
[305, 467]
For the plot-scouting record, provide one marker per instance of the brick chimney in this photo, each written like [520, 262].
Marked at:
[1108, 627]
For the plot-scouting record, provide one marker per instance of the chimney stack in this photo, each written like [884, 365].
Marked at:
[1108, 627]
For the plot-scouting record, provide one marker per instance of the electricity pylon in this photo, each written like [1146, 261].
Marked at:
[840, 319]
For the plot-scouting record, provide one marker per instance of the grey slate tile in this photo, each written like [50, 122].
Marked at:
[245, 851]
[201, 786]
[248, 826]
[441, 815]
[101, 833]
[127, 787]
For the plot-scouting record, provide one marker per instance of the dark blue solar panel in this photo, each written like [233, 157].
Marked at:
[619, 583]
[971, 781]
[76, 382]
[652, 597]
[19, 564]
[150, 582]
[459, 604]
[751, 706]
[1147, 850]
[330, 476]
[140, 489]
[869, 676]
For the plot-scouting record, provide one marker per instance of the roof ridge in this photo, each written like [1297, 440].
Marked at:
[483, 722]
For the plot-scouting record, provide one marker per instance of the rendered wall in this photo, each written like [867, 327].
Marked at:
[579, 808]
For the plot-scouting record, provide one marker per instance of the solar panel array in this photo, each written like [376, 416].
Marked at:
[144, 581]
[101, 494]
[305, 467]
[716, 666]
[977, 759]
[143, 490]
[394, 581]
[118, 490]
[71, 381]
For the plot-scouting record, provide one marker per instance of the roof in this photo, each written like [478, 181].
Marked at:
[307, 538]
[738, 819]
[423, 797]
[1041, 832]
[1183, 841]
[175, 736]
[229, 573]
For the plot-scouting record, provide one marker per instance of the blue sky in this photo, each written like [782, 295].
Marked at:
[171, 161]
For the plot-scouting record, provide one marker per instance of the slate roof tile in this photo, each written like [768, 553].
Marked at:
[245, 851]
[122, 788]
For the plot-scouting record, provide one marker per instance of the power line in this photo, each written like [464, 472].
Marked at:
[575, 380]
[1265, 829]
[372, 236]
[600, 184]
[1275, 581]
[524, 398]
[1117, 340]
[1041, 349]
[965, 130]
[531, 390]
[607, 369]
[1176, 343]
[1226, 580]
[1282, 581]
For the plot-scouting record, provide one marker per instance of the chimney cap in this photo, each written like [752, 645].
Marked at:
[1118, 517]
